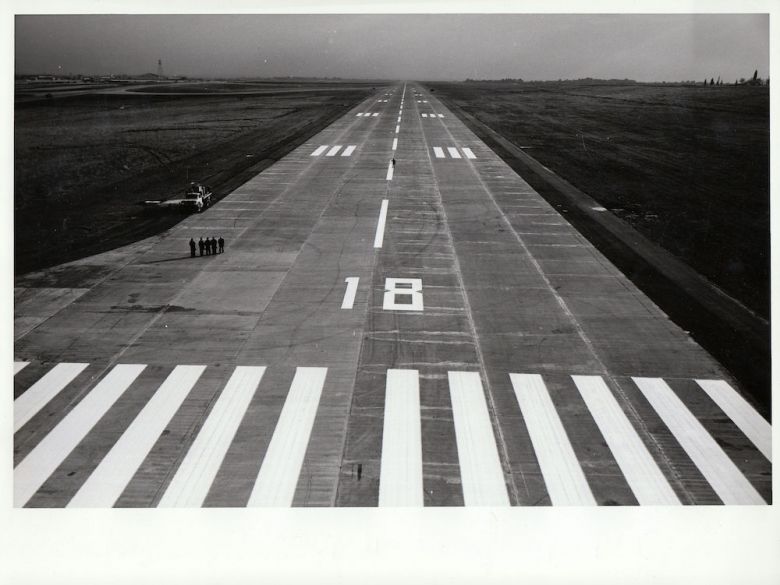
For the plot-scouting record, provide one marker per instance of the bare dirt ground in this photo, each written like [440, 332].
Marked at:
[84, 161]
[686, 166]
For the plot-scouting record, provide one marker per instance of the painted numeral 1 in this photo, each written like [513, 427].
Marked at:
[349, 295]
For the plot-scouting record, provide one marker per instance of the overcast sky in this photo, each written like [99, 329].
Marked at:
[423, 47]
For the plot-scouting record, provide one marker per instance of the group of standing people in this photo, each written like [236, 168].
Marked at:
[209, 246]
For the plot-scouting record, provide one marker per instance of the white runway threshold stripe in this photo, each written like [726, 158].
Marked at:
[39, 394]
[19, 366]
[715, 465]
[278, 475]
[319, 150]
[104, 486]
[400, 476]
[468, 152]
[562, 473]
[380, 226]
[334, 150]
[41, 462]
[349, 150]
[646, 480]
[438, 152]
[193, 479]
[480, 467]
[758, 430]
[453, 152]
[389, 176]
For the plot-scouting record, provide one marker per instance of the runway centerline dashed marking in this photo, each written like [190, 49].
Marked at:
[395, 143]
[380, 226]
[40, 393]
[278, 475]
[722, 474]
[400, 476]
[390, 169]
[106, 483]
[41, 462]
[563, 476]
[191, 484]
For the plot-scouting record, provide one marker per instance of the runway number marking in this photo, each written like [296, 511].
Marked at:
[405, 288]
[380, 226]
[349, 294]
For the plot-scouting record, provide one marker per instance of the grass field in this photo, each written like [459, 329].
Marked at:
[686, 166]
[82, 162]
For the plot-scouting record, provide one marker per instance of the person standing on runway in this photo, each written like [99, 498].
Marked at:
[201, 245]
[192, 248]
[221, 243]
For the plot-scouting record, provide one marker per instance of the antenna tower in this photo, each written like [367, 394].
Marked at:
[159, 69]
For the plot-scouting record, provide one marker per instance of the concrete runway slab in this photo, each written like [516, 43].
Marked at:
[470, 276]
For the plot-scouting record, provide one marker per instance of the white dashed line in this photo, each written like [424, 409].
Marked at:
[389, 176]
[380, 226]
[395, 143]
[397, 129]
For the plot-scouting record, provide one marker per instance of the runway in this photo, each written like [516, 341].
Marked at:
[398, 319]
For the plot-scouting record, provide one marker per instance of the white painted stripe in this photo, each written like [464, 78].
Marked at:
[39, 394]
[389, 176]
[349, 150]
[400, 476]
[399, 120]
[19, 366]
[197, 471]
[395, 143]
[438, 152]
[425, 101]
[725, 478]
[349, 294]
[469, 153]
[380, 226]
[424, 115]
[639, 468]
[334, 150]
[758, 430]
[480, 468]
[278, 476]
[41, 462]
[441, 115]
[375, 114]
[563, 475]
[397, 129]
[319, 150]
[104, 486]
[359, 115]
[453, 152]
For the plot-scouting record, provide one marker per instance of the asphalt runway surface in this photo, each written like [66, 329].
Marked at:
[398, 319]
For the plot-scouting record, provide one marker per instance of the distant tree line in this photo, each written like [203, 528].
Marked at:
[755, 80]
